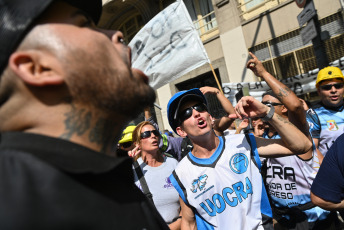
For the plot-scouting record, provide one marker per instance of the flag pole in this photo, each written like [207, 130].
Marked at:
[156, 105]
[217, 81]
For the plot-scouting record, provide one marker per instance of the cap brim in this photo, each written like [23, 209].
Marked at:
[183, 100]
[177, 100]
[17, 16]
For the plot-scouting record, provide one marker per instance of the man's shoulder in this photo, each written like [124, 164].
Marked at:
[321, 109]
[233, 137]
[236, 139]
[183, 161]
[171, 160]
[317, 106]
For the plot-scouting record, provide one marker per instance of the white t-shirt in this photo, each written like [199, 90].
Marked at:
[165, 197]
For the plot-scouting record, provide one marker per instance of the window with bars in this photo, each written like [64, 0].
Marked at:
[306, 59]
[286, 56]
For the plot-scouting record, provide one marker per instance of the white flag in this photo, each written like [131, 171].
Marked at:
[168, 46]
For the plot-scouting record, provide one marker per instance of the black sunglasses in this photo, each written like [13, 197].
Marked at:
[329, 86]
[271, 103]
[186, 113]
[147, 134]
[126, 144]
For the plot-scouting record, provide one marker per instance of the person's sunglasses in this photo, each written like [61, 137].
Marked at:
[186, 113]
[126, 144]
[271, 103]
[147, 134]
[329, 86]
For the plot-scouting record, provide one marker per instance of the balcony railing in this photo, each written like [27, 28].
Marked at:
[251, 8]
[206, 26]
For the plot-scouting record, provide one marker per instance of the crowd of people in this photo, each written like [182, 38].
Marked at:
[269, 149]
[269, 164]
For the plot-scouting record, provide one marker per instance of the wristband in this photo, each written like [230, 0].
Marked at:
[270, 114]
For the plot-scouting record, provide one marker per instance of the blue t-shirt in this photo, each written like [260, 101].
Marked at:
[326, 124]
[329, 182]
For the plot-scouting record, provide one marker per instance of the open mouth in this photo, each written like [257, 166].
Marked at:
[154, 142]
[201, 123]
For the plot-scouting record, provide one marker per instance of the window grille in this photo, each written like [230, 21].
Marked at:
[203, 16]
[290, 57]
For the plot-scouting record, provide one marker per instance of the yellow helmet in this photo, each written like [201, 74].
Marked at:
[127, 134]
[328, 73]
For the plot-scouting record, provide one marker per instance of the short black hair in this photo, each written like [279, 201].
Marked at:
[270, 93]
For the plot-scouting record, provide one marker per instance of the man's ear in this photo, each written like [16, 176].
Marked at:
[181, 132]
[212, 119]
[36, 68]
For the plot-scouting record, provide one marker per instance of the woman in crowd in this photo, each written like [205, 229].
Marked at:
[155, 170]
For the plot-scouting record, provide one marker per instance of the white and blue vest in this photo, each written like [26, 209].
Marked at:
[289, 181]
[226, 190]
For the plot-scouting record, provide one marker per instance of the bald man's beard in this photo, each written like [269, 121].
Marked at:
[109, 91]
[124, 97]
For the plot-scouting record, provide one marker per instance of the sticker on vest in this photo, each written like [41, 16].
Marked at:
[199, 183]
[332, 125]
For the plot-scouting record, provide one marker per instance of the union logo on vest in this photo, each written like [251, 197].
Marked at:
[238, 163]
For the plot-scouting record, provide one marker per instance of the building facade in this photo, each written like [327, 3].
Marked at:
[229, 29]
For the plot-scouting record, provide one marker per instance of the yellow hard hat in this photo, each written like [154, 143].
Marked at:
[127, 134]
[328, 73]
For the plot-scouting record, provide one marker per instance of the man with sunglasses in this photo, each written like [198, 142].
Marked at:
[288, 179]
[125, 144]
[269, 98]
[219, 180]
[327, 117]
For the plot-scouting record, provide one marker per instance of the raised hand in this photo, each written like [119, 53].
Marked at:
[256, 66]
[249, 107]
[259, 128]
[208, 89]
[133, 153]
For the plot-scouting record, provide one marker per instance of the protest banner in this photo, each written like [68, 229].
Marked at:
[168, 46]
[300, 84]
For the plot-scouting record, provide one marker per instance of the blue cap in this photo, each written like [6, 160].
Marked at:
[177, 100]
